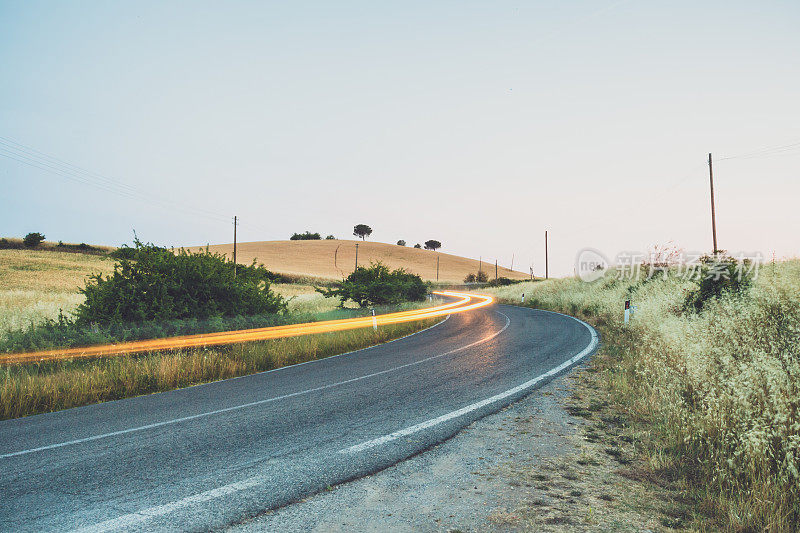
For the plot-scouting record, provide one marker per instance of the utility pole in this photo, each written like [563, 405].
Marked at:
[356, 256]
[546, 259]
[512, 262]
[480, 262]
[437, 267]
[531, 273]
[713, 215]
[235, 223]
[495, 269]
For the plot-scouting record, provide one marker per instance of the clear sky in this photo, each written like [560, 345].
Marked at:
[479, 124]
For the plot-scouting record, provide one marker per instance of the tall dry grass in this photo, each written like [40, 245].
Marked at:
[717, 392]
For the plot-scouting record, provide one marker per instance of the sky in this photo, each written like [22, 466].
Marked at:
[478, 124]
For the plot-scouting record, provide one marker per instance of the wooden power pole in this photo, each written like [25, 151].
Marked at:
[546, 259]
[495, 269]
[356, 256]
[713, 215]
[437, 267]
[235, 223]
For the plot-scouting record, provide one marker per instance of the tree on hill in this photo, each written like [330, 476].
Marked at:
[330, 238]
[362, 230]
[432, 245]
[418, 245]
[401, 242]
[33, 239]
[307, 236]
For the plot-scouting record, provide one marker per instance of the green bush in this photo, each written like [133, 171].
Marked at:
[502, 282]
[32, 240]
[157, 284]
[470, 278]
[715, 278]
[377, 285]
[306, 236]
[123, 252]
[481, 277]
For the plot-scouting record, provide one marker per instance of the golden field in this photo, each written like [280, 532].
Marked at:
[335, 259]
[36, 284]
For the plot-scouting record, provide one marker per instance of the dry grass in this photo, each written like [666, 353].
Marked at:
[304, 299]
[316, 258]
[717, 394]
[35, 285]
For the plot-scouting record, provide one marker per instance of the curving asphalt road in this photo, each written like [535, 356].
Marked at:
[208, 456]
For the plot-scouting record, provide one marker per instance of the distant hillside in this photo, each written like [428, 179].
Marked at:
[321, 259]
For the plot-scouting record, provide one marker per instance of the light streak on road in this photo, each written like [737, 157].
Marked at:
[465, 302]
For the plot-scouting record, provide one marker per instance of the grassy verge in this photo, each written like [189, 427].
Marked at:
[46, 387]
[712, 400]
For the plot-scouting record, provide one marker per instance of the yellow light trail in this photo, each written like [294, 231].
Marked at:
[465, 302]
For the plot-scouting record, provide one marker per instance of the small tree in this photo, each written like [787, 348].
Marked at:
[418, 245]
[362, 230]
[432, 245]
[377, 285]
[401, 242]
[481, 277]
[470, 278]
[33, 239]
[330, 238]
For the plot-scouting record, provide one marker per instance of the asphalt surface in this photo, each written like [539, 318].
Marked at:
[209, 456]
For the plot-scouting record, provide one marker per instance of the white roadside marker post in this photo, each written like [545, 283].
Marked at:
[627, 310]
[374, 321]
[523, 297]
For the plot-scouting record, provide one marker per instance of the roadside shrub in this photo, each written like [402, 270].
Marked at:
[502, 282]
[377, 285]
[123, 252]
[306, 236]
[157, 284]
[32, 240]
[717, 278]
[481, 277]
[470, 278]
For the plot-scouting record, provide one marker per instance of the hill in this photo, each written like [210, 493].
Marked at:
[335, 259]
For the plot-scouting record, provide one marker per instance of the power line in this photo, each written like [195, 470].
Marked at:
[30, 156]
[764, 152]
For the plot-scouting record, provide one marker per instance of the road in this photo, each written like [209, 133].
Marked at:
[209, 456]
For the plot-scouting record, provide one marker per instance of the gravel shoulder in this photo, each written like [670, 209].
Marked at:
[554, 461]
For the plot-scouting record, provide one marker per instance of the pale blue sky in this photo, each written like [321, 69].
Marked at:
[479, 124]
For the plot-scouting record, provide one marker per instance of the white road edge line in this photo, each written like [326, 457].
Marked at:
[477, 405]
[251, 404]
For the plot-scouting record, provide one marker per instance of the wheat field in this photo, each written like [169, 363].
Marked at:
[35, 285]
[335, 259]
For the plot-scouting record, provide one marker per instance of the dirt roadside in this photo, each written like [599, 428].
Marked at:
[557, 460]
